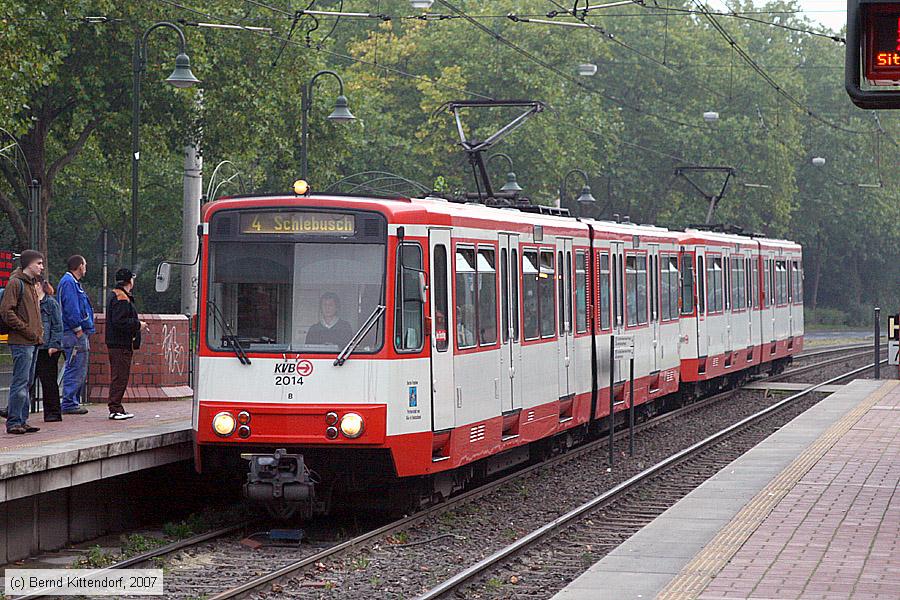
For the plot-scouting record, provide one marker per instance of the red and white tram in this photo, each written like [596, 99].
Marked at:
[391, 345]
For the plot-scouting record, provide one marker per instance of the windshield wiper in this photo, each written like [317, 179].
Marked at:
[229, 334]
[359, 335]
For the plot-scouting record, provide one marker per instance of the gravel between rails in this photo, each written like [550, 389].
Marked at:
[426, 554]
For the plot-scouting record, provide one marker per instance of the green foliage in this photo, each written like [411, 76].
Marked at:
[627, 126]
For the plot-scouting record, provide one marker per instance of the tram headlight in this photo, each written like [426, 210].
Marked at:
[223, 424]
[352, 425]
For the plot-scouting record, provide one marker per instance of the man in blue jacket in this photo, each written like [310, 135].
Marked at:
[78, 326]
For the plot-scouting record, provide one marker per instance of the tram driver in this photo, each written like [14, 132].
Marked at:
[331, 330]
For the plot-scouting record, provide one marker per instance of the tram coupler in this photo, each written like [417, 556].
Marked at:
[278, 476]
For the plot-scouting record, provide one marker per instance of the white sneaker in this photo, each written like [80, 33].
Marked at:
[120, 416]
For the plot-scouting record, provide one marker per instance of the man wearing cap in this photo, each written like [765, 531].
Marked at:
[123, 337]
[21, 312]
[78, 326]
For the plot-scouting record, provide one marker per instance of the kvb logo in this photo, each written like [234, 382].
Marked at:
[301, 367]
[304, 368]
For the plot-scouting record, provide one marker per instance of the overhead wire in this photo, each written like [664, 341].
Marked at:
[562, 74]
[745, 56]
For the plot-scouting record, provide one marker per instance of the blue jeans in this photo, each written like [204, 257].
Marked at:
[24, 360]
[76, 350]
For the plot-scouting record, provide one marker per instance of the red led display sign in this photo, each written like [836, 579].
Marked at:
[881, 27]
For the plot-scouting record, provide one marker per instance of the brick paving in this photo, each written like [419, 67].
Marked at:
[835, 534]
[96, 422]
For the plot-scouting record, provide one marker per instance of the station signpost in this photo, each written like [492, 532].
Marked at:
[894, 340]
[621, 347]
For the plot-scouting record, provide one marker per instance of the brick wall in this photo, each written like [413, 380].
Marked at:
[160, 368]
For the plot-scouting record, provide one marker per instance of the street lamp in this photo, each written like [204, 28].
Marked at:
[585, 197]
[421, 4]
[181, 77]
[818, 161]
[511, 185]
[340, 114]
[710, 116]
[586, 69]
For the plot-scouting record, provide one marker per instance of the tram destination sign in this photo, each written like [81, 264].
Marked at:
[291, 222]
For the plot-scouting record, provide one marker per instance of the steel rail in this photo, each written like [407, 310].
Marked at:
[525, 541]
[138, 559]
[831, 350]
[290, 570]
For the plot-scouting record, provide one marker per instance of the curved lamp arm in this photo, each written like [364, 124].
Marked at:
[182, 43]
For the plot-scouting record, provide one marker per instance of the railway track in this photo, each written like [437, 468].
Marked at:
[630, 505]
[273, 568]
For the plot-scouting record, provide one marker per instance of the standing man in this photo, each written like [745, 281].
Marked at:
[123, 337]
[21, 312]
[78, 326]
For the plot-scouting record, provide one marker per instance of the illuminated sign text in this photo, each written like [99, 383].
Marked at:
[311, 223]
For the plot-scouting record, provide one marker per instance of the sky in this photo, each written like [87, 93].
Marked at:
[831, 13]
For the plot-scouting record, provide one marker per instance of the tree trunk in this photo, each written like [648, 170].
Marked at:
[817, 274]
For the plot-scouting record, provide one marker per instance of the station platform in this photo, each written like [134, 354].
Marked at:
[810, 512]
[70, 481]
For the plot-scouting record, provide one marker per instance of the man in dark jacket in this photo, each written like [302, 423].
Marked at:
[21, 312]
[123, 337]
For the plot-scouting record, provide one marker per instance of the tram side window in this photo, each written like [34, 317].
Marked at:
[569, 290]
[738, 283]
[487, 297]
[726, 275]
[545, 284]
[754, 281]
[530, 303]
[465, 298]
[514, 289]
[714, 293]
[781, 281]
[687, 284]
[798, 282]
[701, 286]
[669, 287]
[504, 295]
[408, 311]
[636, 289]
[654, 288]
[439, 297]
[604, 290]
[561, 291]
[580, 292]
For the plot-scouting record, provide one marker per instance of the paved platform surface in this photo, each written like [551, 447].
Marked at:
[91, 438]
[810, 512]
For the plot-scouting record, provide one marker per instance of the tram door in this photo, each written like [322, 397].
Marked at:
[511, 351]
[653, 278]
[702, 332]
[566, 339]
[443, 406]
[617, 256]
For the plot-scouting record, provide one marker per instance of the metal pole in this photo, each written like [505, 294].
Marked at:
[105, 285]
[305, 99]
[34, 214]
[877, 343]
[631, 408]
[193, 190]
[135, 145]
[612, 394]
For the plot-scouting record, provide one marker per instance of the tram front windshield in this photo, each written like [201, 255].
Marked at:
[293, 297]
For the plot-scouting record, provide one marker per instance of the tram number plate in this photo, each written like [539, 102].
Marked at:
[893, 352]
[624, 347]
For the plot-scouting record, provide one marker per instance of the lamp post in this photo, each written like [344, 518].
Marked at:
[340, 114]
[511, 184]
[181, 77]
[585, 197]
